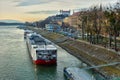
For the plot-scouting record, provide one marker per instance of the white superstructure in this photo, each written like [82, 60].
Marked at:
[42, 50]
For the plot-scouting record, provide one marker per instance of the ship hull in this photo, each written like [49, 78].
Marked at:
[44, 62]
[46, 58]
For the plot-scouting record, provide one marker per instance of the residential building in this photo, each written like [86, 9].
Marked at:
[73, 20]
[65, 13]
[52, 27]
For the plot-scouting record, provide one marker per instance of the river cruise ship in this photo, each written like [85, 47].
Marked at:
[41, 50]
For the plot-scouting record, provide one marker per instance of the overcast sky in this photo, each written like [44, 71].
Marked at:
[31, 10]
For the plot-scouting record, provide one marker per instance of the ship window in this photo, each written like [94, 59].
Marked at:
[40, 51]
[49, 51]
[54, 51]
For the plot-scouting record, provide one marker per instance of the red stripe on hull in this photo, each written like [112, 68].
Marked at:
[45, 62]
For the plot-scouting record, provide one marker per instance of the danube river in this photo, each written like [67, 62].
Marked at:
[16, 64]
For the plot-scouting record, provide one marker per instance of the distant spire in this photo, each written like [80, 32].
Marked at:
[100, 7]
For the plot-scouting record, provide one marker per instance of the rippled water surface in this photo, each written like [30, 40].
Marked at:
[16, 64]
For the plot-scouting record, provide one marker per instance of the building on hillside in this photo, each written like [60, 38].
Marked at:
[52, 27]
[73, 20]
[74, 23]
[58, 18]
[66, 13]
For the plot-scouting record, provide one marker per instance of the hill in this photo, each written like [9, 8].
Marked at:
[10, 22]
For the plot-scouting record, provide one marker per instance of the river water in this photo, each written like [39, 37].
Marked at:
[16, 64]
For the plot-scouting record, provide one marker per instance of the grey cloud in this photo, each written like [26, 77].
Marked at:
[62, 3]
[43, 12]
[16, 1]
[33, 2]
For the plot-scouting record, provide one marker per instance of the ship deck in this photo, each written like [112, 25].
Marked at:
[79, 74]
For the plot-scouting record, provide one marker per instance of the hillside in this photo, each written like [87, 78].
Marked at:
[10, 22]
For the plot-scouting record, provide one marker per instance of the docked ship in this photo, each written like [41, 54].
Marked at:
[26, 32]
[42, 51]
[74, 73]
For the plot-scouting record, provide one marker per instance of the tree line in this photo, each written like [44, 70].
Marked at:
[102, 24]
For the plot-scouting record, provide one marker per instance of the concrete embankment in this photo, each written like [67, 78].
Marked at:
[88, 53]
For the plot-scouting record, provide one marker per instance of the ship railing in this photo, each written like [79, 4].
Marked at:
[104, 65]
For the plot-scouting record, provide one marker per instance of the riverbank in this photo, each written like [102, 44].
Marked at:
[88, 53]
